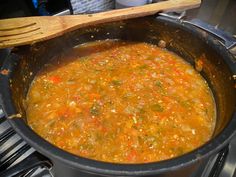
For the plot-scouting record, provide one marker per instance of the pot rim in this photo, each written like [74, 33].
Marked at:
[93, 166]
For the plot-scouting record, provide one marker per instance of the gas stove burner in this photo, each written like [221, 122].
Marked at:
[14, 150]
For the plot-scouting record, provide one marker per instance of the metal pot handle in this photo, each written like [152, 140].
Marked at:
[226, 39]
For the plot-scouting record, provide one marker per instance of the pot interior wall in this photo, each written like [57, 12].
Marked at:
[186, 42]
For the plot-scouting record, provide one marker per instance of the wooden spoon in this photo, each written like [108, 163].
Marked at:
[28, 30]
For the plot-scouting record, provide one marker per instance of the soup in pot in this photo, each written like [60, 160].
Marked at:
[122, 102]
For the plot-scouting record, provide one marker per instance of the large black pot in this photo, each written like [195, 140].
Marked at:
[187, 41]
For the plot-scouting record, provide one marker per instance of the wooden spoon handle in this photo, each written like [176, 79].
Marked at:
[28, 30]
[76, 21]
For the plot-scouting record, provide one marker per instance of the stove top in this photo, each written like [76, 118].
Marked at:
[14, 150]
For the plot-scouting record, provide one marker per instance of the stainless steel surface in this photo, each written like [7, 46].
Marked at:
[220, 13]
[65, 12]
[174, 16]
[229, 167]
[23, 156]
[39, 172]
[9, 143]
[12, 148]
[4, 126]
[1, 113]
[208, 166]
[226, 39]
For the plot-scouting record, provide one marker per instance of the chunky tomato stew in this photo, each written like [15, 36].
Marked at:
[121, 102]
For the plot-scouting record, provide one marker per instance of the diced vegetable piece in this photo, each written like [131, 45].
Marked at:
[199, 65]
[95, 109]
[116, 82]
[162, 44]
[158, 84]
[157, 108]
[132, 155]
[130, 110]
[55, 79]
[178, 150]
[144, 66]
[94, 96]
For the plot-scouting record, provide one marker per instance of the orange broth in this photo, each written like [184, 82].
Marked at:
[122, 102]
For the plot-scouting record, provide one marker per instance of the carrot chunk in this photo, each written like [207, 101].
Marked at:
[55, 79]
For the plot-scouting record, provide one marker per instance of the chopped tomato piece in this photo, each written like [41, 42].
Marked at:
[94, 96]
[132, 155]
[55, 79]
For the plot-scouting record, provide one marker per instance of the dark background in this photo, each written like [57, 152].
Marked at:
[22, 8]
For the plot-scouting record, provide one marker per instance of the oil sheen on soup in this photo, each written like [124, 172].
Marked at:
[122, 102]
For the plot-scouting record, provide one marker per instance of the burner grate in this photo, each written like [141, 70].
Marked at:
[14, 150]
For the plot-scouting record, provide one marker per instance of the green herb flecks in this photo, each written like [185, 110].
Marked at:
[116, 82]
[157, 108]
[95, 109]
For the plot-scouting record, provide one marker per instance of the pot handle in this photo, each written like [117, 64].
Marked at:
[226, 39]
[33, 161]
